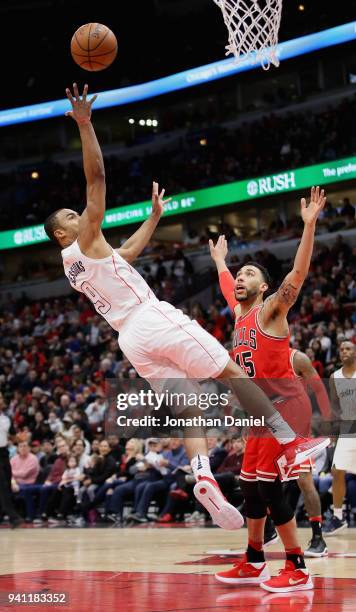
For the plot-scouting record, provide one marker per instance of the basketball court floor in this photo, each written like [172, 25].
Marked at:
[160, 569]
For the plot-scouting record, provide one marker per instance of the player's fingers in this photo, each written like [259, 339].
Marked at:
[166, 201]
[69, 95]
[312, 192]
[321, 197]
[69, 114]
[76, 92]
[303, 203]
[92, 100]
[162, 194]
[211, 244]
[85, 91]
[317, 193]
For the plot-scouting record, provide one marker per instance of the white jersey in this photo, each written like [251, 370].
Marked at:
[111, 284]
[346, 392]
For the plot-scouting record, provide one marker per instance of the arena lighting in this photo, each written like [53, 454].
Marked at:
[154, 122]
[131, 121]
[181, 80]
[149, 122]
[142, 122]
[35, 175]
[301, 7]
[203, 142]
[210, 197]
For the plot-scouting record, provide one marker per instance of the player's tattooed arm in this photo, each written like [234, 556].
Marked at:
[287, 294]
[281, 301]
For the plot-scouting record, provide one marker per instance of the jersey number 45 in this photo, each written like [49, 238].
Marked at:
[244, 360]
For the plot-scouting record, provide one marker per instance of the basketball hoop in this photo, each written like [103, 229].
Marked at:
[253, 29]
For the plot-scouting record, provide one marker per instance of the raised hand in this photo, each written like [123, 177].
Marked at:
[311, 212]
[219, 251]
[158, 202]
[81, 107]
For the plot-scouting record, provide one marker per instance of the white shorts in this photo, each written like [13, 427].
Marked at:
[345, 455]
[161, 343]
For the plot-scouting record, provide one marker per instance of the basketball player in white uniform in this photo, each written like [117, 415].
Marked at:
[160, 342]
[343, 400]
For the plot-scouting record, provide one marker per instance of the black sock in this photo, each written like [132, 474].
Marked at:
[316, 529]
[253, 555]
[296, 556]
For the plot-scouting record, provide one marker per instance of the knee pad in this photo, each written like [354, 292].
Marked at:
[272, 494]
[255, 505]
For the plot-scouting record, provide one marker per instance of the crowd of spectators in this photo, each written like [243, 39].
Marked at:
[207, 156]
[168, 266]
[55, 357]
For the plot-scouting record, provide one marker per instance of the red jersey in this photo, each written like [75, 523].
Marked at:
[263, 356]
[258, 353]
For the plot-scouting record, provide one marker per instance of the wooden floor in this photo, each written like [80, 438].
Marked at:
[160, 569]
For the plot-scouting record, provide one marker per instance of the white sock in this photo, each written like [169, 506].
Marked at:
[201, 466]
[338, 513]
[280, 429]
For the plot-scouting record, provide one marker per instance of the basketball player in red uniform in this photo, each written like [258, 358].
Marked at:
[310, 379]
[261, 346]
[162, 343]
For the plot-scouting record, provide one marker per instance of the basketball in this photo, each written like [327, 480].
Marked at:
[93, 47]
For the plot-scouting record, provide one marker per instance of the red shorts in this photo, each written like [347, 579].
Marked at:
[262, 448]
[258, 461]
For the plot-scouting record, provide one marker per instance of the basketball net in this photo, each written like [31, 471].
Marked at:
[253, 29]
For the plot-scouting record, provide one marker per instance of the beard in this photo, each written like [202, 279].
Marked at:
[250, 295]
[349, 361]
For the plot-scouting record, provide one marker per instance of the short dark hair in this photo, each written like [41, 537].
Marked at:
[266, 275]
[51, 225]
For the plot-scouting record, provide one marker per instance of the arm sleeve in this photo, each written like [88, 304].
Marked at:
[226, 282]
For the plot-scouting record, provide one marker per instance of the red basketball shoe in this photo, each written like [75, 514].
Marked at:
[289, 579]
[208, 493]
[297, 451]
[244, 573]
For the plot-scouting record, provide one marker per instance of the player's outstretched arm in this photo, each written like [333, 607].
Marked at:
[218, 254]
[304, 367]
[134, 246]
[93, 215]
[287, 294]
